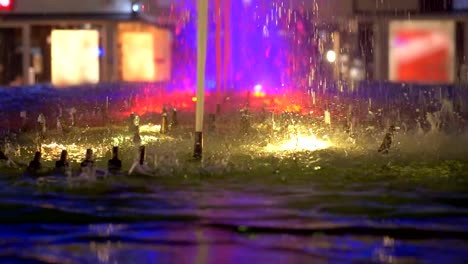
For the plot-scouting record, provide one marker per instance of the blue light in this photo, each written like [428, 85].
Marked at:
[210, 85]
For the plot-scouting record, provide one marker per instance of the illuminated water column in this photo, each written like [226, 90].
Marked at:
[227, 43]
[202, 28]
[218, 49]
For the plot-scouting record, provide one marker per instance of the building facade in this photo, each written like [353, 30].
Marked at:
[398, 40]
[72, 42]
[86, 41]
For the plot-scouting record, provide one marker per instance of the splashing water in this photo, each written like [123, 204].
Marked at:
[50, 151]
[300, 142]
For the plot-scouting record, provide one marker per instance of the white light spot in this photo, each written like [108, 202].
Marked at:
[258, 88]
[5, 3]
[331, 56]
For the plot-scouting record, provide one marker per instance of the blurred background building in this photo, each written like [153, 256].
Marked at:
[89, 41]
[423, 41]
[85, 41]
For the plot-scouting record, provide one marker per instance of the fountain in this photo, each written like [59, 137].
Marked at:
[326, 172]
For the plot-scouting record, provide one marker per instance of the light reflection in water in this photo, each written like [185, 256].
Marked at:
[51, 151]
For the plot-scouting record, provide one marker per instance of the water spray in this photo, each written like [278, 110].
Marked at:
[24, 119]
[211, 122]
[41, 122]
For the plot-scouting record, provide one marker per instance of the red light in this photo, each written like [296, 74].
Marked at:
[6, 5]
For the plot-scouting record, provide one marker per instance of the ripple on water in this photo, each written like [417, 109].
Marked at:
[325, 206]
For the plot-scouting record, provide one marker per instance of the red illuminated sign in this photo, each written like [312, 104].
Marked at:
[6, 5]
[422, 52]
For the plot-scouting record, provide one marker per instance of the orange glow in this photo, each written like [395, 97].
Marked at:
[259, 94]
[137, 57]
[145, 52]
[75, 57]
[152, 98]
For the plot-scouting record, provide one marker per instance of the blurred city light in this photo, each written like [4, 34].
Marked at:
[258, 91]
[300, 142]
[422, 51]
[138, 54]
[331, 56]
[258, 88]
[136, 8]
[79, 46]
[6, 4]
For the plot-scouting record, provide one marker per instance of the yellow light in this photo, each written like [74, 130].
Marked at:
[146, 52]
[300, 142]
[138, 57]
[75, 57]
[150, 128]
[331, 56]
[149, 139]
[194, 99]
[52, 151]
[259, 94]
